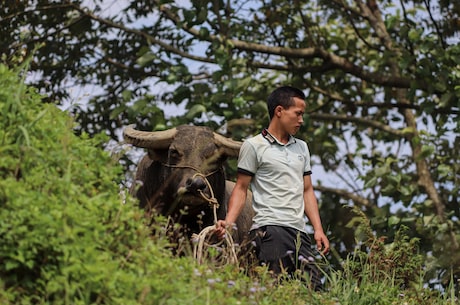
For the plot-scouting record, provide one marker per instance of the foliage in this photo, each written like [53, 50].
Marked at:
[382, 80]
[398, 261]
[68, 238]
[382, 272]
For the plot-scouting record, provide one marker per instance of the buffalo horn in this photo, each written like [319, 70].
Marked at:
[149, 139]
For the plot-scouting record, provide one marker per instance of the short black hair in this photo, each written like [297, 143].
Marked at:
[283, 96]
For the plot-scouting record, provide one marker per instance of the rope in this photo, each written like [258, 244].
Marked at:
[224, 250]
[194, 168]
[201, 240]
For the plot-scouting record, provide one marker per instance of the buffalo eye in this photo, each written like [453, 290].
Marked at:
[174, 156]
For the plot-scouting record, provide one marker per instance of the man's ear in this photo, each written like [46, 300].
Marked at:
[278, 110]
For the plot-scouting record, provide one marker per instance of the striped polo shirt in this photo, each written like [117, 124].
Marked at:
[277, 172]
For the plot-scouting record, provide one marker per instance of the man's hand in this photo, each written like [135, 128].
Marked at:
[221, 229]
[322, 243]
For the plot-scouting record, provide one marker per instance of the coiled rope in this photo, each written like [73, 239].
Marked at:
[224, 249]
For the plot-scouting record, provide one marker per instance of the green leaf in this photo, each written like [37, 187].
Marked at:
[427, 151]
[388, 190]
[394, 179]
[393, 220]
[127, 95]
[370, 183]
[146, 59]
[381, 171]
[414, 34]
[25, 134]
[444, 170]
[446, 99]
[195, 111]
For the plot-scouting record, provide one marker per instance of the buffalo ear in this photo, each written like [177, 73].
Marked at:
[222, 155]
[229, 146]
[226, 152]
[160, 155]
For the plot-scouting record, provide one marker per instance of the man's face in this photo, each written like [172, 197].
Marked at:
[292, 117]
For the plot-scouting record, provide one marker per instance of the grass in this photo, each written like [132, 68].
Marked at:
[375, 273]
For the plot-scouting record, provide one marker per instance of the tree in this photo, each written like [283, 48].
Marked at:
[382, 79]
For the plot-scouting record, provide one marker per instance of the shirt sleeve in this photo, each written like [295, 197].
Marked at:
[247, 159]
[307, 165]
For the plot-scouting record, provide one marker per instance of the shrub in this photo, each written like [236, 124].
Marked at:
[66, 236]
[398, 260]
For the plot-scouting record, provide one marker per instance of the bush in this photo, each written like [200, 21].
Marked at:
[66, 236]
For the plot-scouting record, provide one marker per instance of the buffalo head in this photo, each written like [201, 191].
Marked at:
[182, 169]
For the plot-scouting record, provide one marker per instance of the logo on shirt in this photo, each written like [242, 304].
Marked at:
[300, 157]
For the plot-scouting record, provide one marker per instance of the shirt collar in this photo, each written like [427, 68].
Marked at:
[272, 139]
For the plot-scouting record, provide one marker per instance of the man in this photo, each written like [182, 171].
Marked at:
[277, 166]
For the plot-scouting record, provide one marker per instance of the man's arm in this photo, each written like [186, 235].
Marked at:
[312, 212]
[235, 203]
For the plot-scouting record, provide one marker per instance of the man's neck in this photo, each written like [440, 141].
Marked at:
[281, 136]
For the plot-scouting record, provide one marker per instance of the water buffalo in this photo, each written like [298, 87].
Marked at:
[182, 169]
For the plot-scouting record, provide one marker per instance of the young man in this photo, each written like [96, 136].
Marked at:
[277, 166]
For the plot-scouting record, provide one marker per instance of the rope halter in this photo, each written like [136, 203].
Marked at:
[200, 244]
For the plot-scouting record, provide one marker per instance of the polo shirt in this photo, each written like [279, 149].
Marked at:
[277, 172]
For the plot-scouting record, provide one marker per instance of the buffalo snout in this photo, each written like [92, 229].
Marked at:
[195, 184]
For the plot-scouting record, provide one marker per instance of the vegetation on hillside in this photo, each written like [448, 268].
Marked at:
[69, 237]
[382, 80]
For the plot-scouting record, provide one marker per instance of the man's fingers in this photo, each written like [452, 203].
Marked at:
[323, 246]
[319, 244]
[220, 228]
[326, 248]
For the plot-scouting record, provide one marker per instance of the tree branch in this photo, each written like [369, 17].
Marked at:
[337, 97]
[359, 121]
[372, 13]
[438, 31]
[350, 13]
[149, 38]
[358, 200]
[330, 59]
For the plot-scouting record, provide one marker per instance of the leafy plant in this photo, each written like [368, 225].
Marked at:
[399, 260]
[67, 237]
[382, 272]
